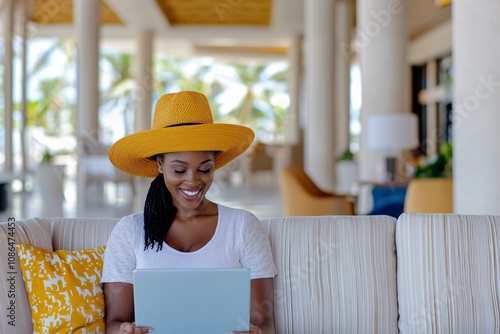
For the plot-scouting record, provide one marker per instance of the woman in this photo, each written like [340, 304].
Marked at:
[179, 226]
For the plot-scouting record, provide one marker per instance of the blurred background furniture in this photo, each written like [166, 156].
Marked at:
[5, 180]
[99, 171]
[388, 200]
[432, 195]
[392, 133]
[301, 197]
[261, 165]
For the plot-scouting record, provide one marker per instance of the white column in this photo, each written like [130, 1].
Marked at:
[87, 22]
[381, 44]
[319, 134]
[294, 80]
[144, 79]
[24, 90]
[8, 83]
[476, 101]
[432, 124]
[343, 19]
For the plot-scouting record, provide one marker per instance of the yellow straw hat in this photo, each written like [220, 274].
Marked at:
[182, 122]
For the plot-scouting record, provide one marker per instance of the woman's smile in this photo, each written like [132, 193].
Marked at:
[191, 193]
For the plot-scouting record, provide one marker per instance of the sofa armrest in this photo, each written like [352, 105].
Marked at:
[15, 313]
[50, 234]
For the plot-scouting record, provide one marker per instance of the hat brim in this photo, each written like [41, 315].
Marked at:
[132, 154]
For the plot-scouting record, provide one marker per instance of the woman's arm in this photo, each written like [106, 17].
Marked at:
[119, 300]
[262, 304]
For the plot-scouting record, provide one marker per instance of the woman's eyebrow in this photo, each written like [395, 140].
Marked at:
[185, 163]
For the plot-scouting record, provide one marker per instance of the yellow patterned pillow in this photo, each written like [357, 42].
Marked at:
[64, 289]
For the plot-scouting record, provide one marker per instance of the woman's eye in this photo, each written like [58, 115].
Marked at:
[205, 171]
[179, 171]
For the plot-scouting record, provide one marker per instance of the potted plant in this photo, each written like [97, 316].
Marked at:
[50, 182]
[346, 172]
[438, 166]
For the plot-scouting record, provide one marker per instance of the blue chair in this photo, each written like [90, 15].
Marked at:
[388, 200]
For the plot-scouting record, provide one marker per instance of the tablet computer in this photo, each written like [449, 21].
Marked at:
[192, 300]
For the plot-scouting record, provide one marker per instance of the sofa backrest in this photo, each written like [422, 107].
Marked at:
[448, 273]
[80, 233]
[336, 274]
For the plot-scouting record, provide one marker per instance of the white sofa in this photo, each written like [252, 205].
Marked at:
[338, 274]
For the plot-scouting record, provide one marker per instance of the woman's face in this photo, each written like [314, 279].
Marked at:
[188, 176]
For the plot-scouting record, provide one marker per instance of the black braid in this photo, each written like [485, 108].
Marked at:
[159, 213]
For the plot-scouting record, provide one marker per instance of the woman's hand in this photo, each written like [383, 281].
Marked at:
[119, 300]
[129, 328]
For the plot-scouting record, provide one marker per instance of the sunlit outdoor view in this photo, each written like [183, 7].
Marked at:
[242, 93]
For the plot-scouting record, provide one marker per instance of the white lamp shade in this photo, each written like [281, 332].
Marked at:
[392, 131]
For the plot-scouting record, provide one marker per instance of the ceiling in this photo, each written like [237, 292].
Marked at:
[257, 26]
[222, 12]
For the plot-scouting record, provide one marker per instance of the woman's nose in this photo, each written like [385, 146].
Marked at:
[192, 178]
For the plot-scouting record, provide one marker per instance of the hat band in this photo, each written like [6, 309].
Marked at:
[181, 124]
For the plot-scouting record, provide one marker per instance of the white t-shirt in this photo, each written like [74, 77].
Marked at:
[239, 241]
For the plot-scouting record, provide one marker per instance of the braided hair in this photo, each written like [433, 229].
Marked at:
[159, 213]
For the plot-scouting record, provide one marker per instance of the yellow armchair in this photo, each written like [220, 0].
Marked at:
[301, 197]
[433, 195]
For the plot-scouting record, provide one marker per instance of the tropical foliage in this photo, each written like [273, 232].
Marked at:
[250, 94]
[53, 108]
[438, 166]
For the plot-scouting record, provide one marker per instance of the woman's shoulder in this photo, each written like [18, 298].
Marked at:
[131, 222]
[236, 214]
[227, 210]
[125, 235]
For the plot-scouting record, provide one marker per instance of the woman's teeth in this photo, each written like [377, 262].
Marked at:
[190, 193]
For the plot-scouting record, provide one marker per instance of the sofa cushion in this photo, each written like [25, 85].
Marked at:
[336, 274]
[64, 289]
[448, 273]
[12, 292]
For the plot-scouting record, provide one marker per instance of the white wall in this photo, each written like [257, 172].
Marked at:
[476, 107]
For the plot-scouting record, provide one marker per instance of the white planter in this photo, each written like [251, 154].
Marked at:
[346, 175]
[50, 180]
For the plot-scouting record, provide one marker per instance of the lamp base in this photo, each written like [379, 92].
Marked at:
[390, 168]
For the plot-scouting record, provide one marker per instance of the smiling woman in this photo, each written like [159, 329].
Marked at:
[179, 227]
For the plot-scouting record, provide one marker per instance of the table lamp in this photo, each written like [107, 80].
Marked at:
[392, 133]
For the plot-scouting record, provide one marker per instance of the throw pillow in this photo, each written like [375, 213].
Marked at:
[64, 289]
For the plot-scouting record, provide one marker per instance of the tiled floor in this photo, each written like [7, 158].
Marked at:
[263, 200]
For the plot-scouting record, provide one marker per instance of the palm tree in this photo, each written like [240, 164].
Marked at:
[52, 105]
[55, 103]
[121, 89]
[256, 108]
[190, 74]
